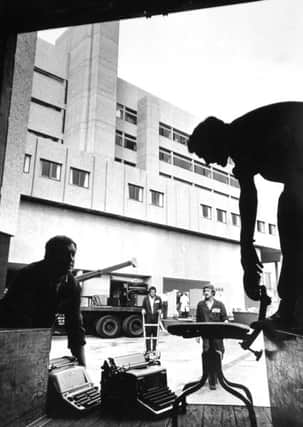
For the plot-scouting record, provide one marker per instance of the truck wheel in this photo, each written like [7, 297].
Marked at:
[132, 326]
[108, 326]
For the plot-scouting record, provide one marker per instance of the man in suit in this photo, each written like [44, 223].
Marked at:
[211, 310]
[45, 288]
[151, 309]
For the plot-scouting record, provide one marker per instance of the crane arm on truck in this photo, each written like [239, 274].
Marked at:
[98, 273]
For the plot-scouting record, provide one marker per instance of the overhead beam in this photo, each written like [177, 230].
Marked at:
[34, 15]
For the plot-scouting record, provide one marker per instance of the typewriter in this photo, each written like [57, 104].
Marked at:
[132, 382]
[70, 385]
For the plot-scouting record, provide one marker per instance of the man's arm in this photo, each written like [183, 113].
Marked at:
[160, 304]
[74, 325]
[248, 210]
[144, 305]
[223, 316]
[199, 313]
[249, 258]
[199, 317]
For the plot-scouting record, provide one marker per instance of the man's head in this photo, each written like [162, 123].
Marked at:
[208, 292]
[152, 291]
[209, 140]
[60, 254]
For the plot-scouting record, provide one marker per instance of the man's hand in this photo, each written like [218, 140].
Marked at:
[79, 354]
[143, 311]
[252, 271]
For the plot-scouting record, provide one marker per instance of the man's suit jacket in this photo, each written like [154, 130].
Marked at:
[152, 316]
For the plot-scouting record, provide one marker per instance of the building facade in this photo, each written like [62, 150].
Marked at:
[107, 164]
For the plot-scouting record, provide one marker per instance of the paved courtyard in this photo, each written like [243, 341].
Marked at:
[182, 359]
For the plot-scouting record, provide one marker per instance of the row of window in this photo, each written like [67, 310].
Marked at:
[130, 115]
[126, 113]
[126, 140]
[174, 178]
[197, 167]
[135, 192]
[53, 170]
[172, 133]
[221, 216]
[261, 227]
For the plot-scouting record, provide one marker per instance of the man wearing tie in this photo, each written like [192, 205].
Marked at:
[151, 309]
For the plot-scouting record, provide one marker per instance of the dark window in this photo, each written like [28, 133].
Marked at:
[130, 115]
[235, 219]
[233, 181]
[119, 138]
[157, 198]
[135, 192]
[79, 177]
[202, 170]
[220, 176]
[125, 113]
[261, 226]
[272, 228]
[180, 137]
[221, 216]
[206, 211]
[130, 142]
[182, 162]
[165, 130]
[164, 155]
[119, 111]
[51, 170]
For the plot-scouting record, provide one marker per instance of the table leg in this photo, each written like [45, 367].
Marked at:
[230, 387]
[188, 389]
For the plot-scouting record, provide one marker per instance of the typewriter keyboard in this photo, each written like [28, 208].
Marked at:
[86, 399]
[159, 398]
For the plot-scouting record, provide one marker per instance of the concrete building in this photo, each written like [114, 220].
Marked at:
[107, 164]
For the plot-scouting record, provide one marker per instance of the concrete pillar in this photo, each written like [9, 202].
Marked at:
[148, 135]
[92, 88]
[7, 62]
[16, 74]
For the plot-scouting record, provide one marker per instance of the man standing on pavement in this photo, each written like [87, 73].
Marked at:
[43, 289]
[211, 310]
[152, 306]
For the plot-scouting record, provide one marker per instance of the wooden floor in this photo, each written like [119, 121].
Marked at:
[196, 415]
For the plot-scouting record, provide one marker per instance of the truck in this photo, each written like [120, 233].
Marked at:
[112, 306]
